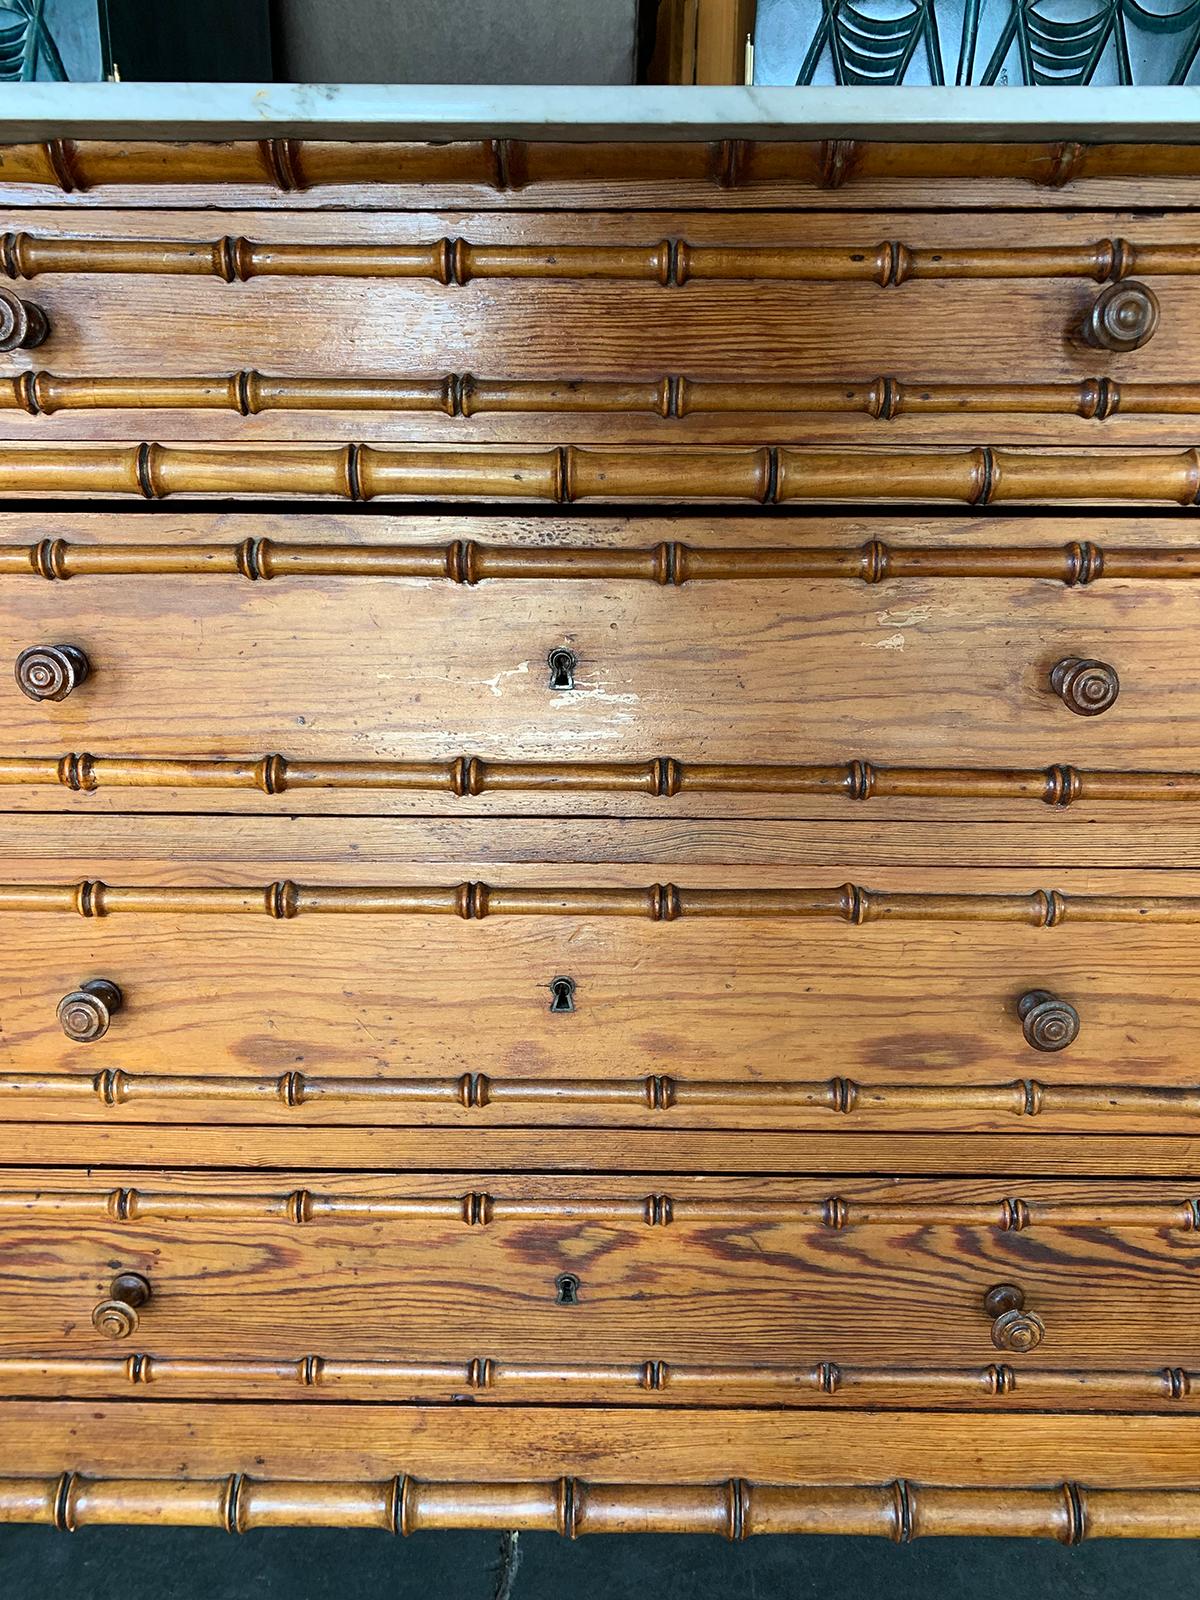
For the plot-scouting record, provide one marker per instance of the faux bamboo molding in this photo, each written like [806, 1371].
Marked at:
[899, 1510]
[460, 395]
[1009, 1214]
[517, 1382]
[473, 1091]
[670, 563]
[510, 165]
[766, 475]
[659, 902]
[659, 777]
[670, 263]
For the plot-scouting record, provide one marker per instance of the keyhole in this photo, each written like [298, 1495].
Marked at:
[567, 1285]
[562, 663]
[562, 991]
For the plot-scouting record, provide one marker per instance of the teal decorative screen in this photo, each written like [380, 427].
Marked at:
[1050, 42]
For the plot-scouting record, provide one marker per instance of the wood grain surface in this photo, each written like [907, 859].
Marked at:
[372, 1016]
[644, 1151]
[790, 669]
[129, 326]
[611, 1444]
[763, 1013]
[714, 1279]
[122, 567]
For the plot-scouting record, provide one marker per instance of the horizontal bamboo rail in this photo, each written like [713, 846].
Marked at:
[670, 263]
[488, 1378]
[670, 563]
[1008, 1213]
[900, 1510]
[658, 777]
[474, 1091]
[460, 395]
[510, 165]
[765, 475]
[658, 902]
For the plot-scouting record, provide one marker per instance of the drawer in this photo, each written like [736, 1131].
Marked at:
[769, 652]
[365, 989]
[465, 326]
[519, 1288]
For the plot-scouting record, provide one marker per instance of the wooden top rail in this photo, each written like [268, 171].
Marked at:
[765, 475]
[511, 165]
[900, 1510]
[659, 902]
[670, 263]
[660, 777]
[461, 395]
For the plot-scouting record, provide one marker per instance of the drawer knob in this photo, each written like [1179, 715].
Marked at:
[51, 671]
[86, 1012]
[1123, 317]
[1085, 687]
[23, 326]
[1048, 1022]
[1013, 1328]
[117, 1317]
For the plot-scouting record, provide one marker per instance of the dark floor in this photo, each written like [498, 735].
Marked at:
[174, 1564]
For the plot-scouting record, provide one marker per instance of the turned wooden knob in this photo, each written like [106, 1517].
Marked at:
[1085, 687]
[117, 1317]
[1049, 1023]
[1013, 1328]
[51, 671]
[1124, 317]
[86, 1012]
[23, 325]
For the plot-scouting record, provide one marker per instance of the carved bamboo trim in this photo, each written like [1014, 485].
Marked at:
[659, 902]
[670, 263]
[511, 165]
[625, 1382]
[460, 395]
[735, 1508]
[659, 777]
[475, 1091]
[670, 563]
[766, 475]
[476, 1208]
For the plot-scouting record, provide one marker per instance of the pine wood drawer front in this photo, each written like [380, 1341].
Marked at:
[680, 325]
[389, 686]
[526, 1288]
[921, 1000]
[729, 665]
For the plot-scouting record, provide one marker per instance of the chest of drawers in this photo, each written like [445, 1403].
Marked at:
[598, 792]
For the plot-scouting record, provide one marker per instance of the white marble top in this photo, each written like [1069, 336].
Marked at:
[425, 111]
